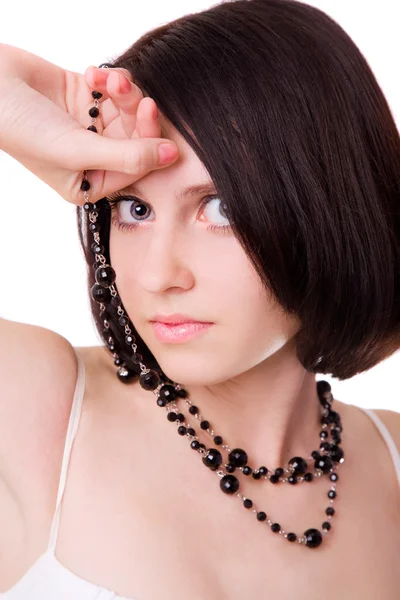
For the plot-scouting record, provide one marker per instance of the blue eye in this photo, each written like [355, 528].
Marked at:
[141, 209]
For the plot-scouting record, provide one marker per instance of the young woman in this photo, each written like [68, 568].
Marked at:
[266, 251]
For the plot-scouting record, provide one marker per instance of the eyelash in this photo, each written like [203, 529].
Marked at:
[115, 198]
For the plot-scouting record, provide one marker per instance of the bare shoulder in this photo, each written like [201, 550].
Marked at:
[357, 418]
[391, 419]
[38, 370]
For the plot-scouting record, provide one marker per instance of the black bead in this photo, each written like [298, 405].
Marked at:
[149, 381]
[99, 293]
[213, 459]
[326, 525]
[263, 470]
[105, 276]
[171, 416]
[123, 321]
[106, 64]
[193, 410]
[292, 479]
[168, 392]
[98, 249]
[125, 375]
[261, 516]
[279, 472]
[332, 494]
[182, 430]
[87, 206]
[218, 440]
[195, 445]
[161, 402]
[247, 503]
[229, 484]
[326, 446]
[323, 387]
[96, 95]
[323, 434]
[181, 417]
[94, 112]
[308, 476]
[324, 463]
[337, 454]
[118, 362]
[182, 393]
[129, 339]
[85, 185]
[334, 417]
[230, 468]
[191, 431]
[291, 537]
[313, 538]
[116, 301]
[204, 424]
[238, 457]
[256, 475]
[330, 510]
[202, 445]
[92, 128]
[274, 479]
[275, 527]
[333, 476]
[315, 454]
[247, 470]
[299, 465]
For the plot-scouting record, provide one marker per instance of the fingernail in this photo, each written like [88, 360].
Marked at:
[166, 153]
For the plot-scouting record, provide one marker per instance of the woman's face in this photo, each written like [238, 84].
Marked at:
[173, 262]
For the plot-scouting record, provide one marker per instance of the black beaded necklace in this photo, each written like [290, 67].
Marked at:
[326, 460]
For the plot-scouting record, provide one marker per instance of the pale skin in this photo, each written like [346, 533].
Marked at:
[141, 514]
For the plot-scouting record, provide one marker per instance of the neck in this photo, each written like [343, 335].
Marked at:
[271, 411]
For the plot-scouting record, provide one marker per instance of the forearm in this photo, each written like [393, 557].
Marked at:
[40, 74]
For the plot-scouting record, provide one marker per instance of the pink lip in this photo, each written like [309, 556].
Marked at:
[176, 318]
[181, 332]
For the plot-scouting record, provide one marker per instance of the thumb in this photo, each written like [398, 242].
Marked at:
[136, 156]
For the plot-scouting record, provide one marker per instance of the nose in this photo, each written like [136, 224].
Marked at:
[165, 261]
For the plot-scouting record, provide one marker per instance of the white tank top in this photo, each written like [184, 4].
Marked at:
[47, 578]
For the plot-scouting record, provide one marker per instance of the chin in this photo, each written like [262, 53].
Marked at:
[193, 374]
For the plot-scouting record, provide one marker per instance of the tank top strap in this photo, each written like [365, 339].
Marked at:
[70, 436]
[384, 431]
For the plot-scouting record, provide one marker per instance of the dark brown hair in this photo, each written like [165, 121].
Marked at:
[285, 113]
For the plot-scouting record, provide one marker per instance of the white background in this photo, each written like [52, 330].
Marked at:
[42, 272]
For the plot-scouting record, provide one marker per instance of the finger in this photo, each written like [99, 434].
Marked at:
[97, 79]
[126, 98]
[147, 119]
[134, 157]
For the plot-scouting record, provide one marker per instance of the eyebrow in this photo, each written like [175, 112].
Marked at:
[187, 192]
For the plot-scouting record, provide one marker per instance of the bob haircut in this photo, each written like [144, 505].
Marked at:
[286, 115]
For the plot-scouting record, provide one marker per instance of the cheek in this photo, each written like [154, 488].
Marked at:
[256, 325]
